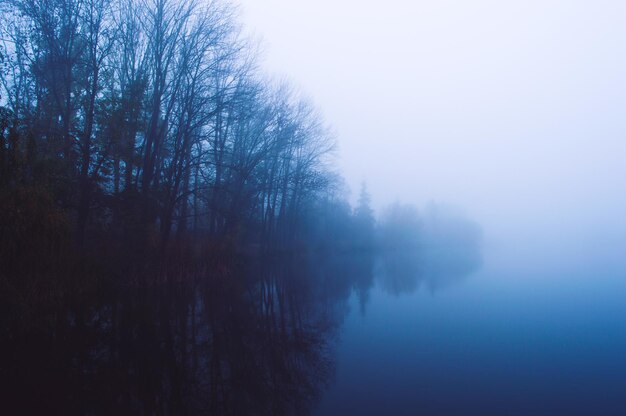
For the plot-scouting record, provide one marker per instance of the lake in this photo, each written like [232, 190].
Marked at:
[527, 333]
[463, 329]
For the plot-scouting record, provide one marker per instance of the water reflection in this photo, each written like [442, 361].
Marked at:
[449, 250]
[252, 339]
[256, 339]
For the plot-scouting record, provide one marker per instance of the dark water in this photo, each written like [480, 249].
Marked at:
[515, 337]
[439, 330]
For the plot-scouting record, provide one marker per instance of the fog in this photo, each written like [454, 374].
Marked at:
[511, 110]
[179, 235]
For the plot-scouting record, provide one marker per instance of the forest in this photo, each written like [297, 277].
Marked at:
[326, 208]
[143, 156]
[146, 127]
[175, 235]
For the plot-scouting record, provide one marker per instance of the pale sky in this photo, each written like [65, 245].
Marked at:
[513, 110]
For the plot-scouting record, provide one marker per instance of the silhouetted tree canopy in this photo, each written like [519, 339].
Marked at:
[148, 121]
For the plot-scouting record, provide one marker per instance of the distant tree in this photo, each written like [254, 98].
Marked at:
[400, 226]
[364, 218]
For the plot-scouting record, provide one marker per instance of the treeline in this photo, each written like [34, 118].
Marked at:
[140, 122]
[437, 227]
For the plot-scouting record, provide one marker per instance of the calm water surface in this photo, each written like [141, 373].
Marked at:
[449, 329]
[517, 335]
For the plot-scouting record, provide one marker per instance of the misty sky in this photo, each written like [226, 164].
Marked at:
[514, 110]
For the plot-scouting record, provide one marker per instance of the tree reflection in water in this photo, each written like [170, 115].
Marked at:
[252, 339]
[447, 249]
[403, 271]
[256, 339]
